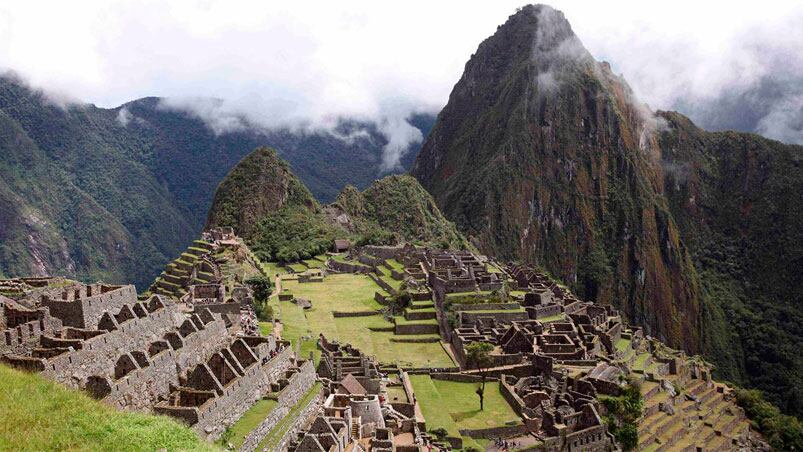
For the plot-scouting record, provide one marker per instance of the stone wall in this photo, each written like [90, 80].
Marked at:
[540, 312]
[308, 413]
[86, 312]
[470, 317]
[383, 252]
[508, 431]
[484, 306]
[417, 328]
[370, 261]
[382, 284]
[299, 384]
[337, 314]
[463, 378]
[346, 267]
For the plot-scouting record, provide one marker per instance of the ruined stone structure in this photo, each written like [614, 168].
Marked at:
[356, 413]
[145, 355]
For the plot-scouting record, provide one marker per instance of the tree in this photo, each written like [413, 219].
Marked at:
[261, 286]
[478, 354]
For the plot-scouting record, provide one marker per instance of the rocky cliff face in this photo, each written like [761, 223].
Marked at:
[543, 154]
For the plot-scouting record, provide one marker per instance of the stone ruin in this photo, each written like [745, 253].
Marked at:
[356, 414]
[149, 355]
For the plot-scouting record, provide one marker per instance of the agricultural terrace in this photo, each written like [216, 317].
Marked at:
[372, 334]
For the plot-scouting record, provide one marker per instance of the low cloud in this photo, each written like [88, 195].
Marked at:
[124, 117]
[306, 65]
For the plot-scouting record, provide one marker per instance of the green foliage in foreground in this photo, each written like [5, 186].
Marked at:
[623, 413]
[41, 415]
[781, 431]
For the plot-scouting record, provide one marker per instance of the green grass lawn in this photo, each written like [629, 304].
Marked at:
[553, 318]
[350, 293]
[297, 268]
[249, 421]
[280, 429]
[38, 414]
[272, 269]
[454, 405]
[317, 262]
[396, 265]
[622, 345]
[395, 285]
[641, 361]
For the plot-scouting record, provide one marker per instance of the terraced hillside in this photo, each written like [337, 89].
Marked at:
[193, 266]
[683, 411]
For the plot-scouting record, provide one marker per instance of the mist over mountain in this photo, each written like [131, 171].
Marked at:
[113, 194]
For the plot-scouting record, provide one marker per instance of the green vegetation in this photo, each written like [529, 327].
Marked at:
[781, 432]
[452, 406]
[623, 414]
[745, 233]
[395, 209]
[261, 285]
[291, 235]
[372, 334]
[250, 420]
[42, 415]
[115, 202]
[275, 435]
[478, 355]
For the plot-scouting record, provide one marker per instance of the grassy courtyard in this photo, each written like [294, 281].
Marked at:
[454, 406]
[350, 293]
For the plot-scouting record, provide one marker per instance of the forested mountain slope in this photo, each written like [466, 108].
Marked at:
[112, 194]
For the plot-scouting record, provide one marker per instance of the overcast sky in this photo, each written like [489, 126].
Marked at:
[291, 61]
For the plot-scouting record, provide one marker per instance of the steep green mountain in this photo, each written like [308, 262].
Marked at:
[394, 209]
[737, 198]
[544, 155]
[275, 213]
[260, 185]
[113, 194]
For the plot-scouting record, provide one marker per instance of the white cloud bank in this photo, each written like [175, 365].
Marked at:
[305, 64]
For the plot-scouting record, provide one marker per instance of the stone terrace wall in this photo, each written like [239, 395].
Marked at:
[99, 354]
[469, 317]
[382, 284]
[86, 312]
[485, 306]
[383, 252]
[308, 413]
[236, 399]
[299, 384]
[345, 267]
